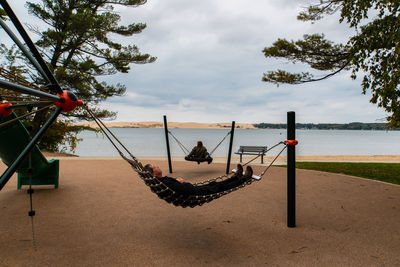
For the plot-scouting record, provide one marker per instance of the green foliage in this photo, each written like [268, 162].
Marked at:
[374, 51]
[61, 135]
[80, 51]
[3, 14]
[385, 172]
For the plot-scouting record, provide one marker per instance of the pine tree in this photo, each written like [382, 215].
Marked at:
[78, 48]
[373, 52]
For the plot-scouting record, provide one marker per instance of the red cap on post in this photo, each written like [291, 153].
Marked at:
[70, 103]
[4, 111]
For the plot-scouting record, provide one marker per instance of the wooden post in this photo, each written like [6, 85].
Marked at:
[167, 141]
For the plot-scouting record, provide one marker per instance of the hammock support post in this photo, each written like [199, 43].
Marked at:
[167, 141]
[291, 171]
[228, 164]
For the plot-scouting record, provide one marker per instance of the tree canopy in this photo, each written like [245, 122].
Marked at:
[372, 52]
[82, 45]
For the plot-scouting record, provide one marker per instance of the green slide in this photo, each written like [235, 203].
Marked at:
[13, 139]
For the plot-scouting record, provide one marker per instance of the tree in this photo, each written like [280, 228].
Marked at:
[374, 51]
[79, 50]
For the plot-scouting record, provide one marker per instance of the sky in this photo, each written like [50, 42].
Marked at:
[210, 64]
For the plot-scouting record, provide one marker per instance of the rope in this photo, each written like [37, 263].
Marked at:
[12, 98]
[184, 149]
[272, 162]
[259, 155]
[96, 119]
[21, 80]
[98, 122]
[223, 139]
[24, 116]
[30, 103]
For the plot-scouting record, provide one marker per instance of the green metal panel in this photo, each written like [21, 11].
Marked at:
[13, 139]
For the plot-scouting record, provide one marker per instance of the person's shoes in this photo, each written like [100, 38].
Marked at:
[239, 170]
[249, 173]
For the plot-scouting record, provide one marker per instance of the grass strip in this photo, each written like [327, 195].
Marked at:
[385, 172]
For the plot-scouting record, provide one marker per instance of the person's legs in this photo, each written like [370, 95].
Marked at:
[248, 173]
[235, 180]
[239, 170]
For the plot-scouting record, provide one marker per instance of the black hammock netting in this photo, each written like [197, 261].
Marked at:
[166, 193]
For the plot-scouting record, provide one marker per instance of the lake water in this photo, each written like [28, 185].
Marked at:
[144, 142]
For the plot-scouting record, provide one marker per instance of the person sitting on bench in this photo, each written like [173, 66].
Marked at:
[199, 153]
[186, 189]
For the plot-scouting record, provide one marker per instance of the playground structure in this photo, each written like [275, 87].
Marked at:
[34, 169]
[14, 137]
[17, 149]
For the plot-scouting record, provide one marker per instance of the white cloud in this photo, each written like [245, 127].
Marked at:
[210, 65]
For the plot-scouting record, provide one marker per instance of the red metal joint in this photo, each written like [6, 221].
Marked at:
[291, 142]
[70, 101]
[4, 110]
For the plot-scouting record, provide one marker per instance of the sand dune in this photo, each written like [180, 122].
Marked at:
[155, 124]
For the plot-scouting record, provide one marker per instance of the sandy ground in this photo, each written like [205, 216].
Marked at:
[103, 215]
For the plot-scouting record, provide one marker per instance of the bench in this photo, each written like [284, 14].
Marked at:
[252, 150]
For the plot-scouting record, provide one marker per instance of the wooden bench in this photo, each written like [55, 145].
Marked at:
[252, 150]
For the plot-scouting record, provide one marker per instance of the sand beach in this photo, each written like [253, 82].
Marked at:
[103, 215]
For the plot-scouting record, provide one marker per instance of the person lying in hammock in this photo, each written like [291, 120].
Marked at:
[181, 187]
[199, 153]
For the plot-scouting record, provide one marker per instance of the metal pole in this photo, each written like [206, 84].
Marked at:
[29, 91]
[13, 167]
[228, 163]
[291, 171]
[28, 105]
[167, 141]
[23, 49]
[30, 44]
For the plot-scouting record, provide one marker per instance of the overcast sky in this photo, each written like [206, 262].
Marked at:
[210, 64]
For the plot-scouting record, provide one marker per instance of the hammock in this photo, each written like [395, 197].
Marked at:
[163, 191]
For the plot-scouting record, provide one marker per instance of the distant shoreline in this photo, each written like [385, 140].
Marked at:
[226, 125]
[180, 125]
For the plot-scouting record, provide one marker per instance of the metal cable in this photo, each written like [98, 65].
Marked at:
[23, 116]
[30, 191]
[19, 105]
